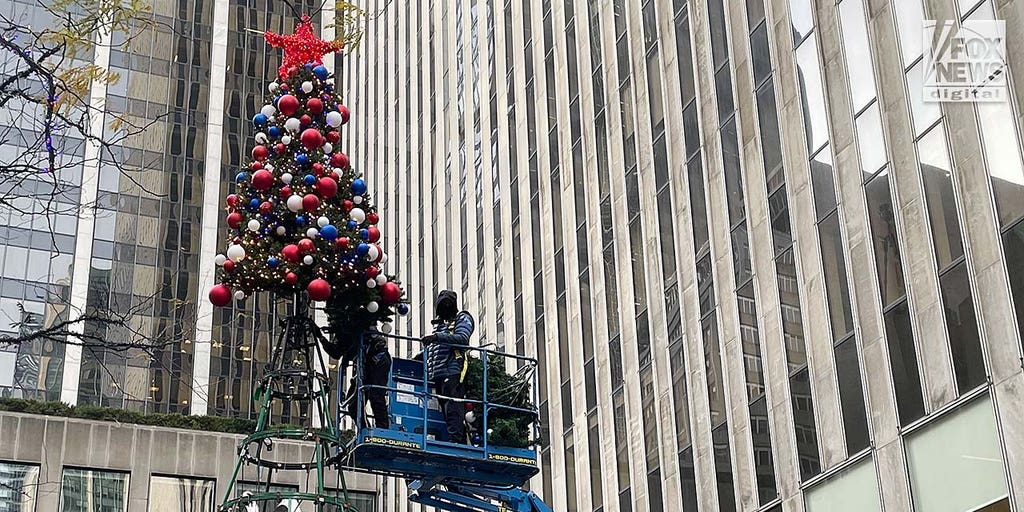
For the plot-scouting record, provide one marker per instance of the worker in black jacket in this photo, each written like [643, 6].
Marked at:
[447, 363]
[376, 372]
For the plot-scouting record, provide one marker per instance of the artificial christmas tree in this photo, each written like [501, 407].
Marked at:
[302, 226]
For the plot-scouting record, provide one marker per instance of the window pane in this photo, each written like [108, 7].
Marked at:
[778, 209]
[1002, 154]
[924, 113]
[803, 21]
[713, 361]
[689, 479]
[179, 494]
[771, 147]
[884, 235]
[803, 421]
[815, 119]
[834, 267]
[965, 344]
[764, 465]
[957, 463]
[1013, 244]
[938, 189]
[792, 318]
[870, 141]
[903, 361]
[821, 181]
[695, 172]
[909, 19]
[760, 55]
[723, 468]
[854, 489]
[858, 52]
[85, 490]
[18, 483]
[851, 396]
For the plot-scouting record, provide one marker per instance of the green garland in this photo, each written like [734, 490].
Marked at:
[507, 428]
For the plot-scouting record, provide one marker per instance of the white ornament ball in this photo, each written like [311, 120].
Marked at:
[254, 225]
[381, 279]
[295, 202]
[323, 221]
[328, 147]
[307, 260]
[286, 178]
[239, 294]
[292, 124]
[268, 167]
[261, 138]
[372, 306]
[373, 253]
[385, 328]
[219, 260]
[281, 230]
[329, 81]
[268, 110]
[470, 417]
[383, 258]
[357, 214]
[236, 253]
[307, 87]
[312, 232]
[334, 119]
[357, 199]
[371, 283]
[287, 139]
[273, 86]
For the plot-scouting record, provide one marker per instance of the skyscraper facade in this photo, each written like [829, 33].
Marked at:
[759, 267]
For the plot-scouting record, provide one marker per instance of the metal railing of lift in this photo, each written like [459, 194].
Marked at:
[425, 396]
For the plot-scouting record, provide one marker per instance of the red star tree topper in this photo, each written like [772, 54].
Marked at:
[300, 218]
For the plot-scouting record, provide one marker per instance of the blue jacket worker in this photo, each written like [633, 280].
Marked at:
[447, 363]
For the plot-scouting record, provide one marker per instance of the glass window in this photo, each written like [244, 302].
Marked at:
[936, 173]
[792, 318]
[18, 483]
[803, 20]
[723, 91]
[870, 140]
[957, 463]
[764, 465]
[719, 45]
[760, 56]
[854, 489]
[803, 423]
[834, 267]
[771, 146]
[180, 494]
[1013, 245]
[903, 361]
[733, 173]
[924, 113]
[654, 95]
[851, 396]
[778, 208]
[885, 238]
[858, 52]
[1002, 154]
[909, 20]
[85, 490]
[723, 467]
[815, 118]
[698, 206]
[713, 370]
[821, 181]
[965, 344]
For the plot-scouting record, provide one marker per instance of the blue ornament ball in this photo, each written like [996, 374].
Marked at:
[273, 131]
[358, 186]
[254, 204]
[300, 220]
[320, 72]
[301, 159]
[352, 224]
[363, 249]
[273, 262]
[364, 234]
[403, 309]
[259, 119]
[476, 439]
[308, 65]
[329, 232]
[309, 179]
[241, 177]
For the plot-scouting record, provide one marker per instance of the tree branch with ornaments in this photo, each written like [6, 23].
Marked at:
[301, 219]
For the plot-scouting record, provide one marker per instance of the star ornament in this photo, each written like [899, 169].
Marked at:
[301, 48]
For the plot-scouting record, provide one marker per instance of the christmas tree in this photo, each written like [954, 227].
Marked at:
[301, 218]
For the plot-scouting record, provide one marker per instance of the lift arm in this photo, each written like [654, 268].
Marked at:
[469, 498]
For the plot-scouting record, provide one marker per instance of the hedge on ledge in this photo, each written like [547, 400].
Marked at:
[92, 412]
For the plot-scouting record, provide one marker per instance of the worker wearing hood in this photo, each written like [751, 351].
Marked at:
[446, 360]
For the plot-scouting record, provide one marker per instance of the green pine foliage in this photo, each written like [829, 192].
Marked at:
[507, 428]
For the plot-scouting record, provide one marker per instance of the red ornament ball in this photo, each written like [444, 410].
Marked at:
[305, 120]
[372, 218]
[314, 105]
[391, 293]
[347, 205]
[255, 166]
[286, 192]
[280, 148]
[220, 295]
[333, 137]
[291, 278]
[260, 152]
[319, 289]
[266, 207]
[374, 234]
[229, 266]
[340, 160]
[234, 220]
[262, 179]
[318, 168]
[311, 138]
[306, 246]
[232, 200]
[310, 202]
[288, 104]
[371, 272]
[343, 110]
[327, 187]
[341, 242]
[291, 253]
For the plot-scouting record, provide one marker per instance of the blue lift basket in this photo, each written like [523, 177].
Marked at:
[450, 476]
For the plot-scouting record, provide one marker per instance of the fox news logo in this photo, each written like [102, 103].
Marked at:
[965, 62]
